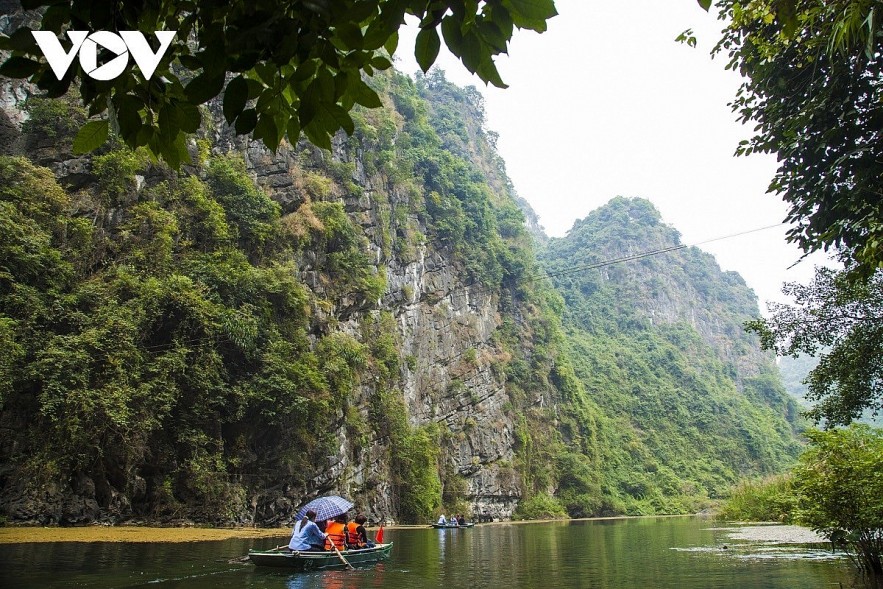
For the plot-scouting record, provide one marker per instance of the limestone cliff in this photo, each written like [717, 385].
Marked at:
[223, 342]
[442, 317]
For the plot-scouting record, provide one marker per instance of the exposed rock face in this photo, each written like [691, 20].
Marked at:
[443, 329]
[443, 325]
[465, 359]
[683, 285]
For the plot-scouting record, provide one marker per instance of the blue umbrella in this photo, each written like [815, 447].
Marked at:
[326, 507]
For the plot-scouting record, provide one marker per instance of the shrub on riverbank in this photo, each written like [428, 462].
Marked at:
[540, 506]
[836, 489]
[768, 499]
[840, 484]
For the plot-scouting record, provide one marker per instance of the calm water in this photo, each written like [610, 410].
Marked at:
[682, 553]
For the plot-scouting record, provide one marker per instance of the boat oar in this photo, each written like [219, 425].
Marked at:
[339, 555]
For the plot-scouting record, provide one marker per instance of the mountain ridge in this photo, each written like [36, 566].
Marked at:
[219, 344]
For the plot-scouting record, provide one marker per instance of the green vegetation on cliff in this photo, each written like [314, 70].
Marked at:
[182, 345]
[682, 401]
[172, 346]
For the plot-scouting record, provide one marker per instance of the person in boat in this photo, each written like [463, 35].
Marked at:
[335, 533]
[442, 520]
[461, 521]
[356, 535]
[306, 535]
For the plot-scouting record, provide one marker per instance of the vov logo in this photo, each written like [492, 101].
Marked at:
[87, 45]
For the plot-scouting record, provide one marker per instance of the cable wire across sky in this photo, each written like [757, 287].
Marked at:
[646, 254]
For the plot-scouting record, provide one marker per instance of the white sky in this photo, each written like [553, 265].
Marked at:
[606, 103]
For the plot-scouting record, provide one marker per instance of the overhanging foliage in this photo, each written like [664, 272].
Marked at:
[284, 68]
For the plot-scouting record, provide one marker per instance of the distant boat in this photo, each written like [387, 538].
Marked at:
[314, 561]
[455, 526]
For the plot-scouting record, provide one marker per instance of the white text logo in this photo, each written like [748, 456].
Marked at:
[121, 45]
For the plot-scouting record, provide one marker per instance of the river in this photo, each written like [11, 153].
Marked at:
[681, 553]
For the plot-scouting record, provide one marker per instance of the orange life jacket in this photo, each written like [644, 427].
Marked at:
[353, 538]
[336, 533]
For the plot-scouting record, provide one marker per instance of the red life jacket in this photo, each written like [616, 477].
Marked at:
[336, 533]
[353, 538]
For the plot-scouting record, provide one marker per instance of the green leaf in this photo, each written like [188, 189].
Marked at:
[473, 52]
[305, 71]
[350, 34]
[246, 121]
[267, 73]
[487, 71]
[453, 37]
[293, 130]
[267, 131]
[532, 10]
[56, 16]
[492, 35]
[361, 11]
[190, 62]
[391, 18]
[426, 48]
[318, 135]
[19, 67]
[340, 117]
[365, 95]
[22, 40]
[169, 121]
[281, 121]
[145, 135]
[392, 43]
[128, 115]
[705, 4]
[380, 62]
[342, 82]
[175, 152]
[235, 97]
[191, 117]
[90, 137]
[203, 88]
[255, 88]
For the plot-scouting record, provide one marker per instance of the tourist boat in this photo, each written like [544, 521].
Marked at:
[313, 561]
[446, 526]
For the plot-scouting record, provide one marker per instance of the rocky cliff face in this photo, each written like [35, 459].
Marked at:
[657, 343]
[443, 323]
[677, 284]
[224, 342]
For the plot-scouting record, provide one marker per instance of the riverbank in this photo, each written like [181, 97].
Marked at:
[102, 533]
[16, 535]
[135, 533]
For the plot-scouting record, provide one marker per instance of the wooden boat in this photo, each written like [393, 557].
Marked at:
[313, 561]
[452, 526]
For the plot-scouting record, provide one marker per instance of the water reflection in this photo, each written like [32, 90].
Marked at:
[651, 552]
[334, 579]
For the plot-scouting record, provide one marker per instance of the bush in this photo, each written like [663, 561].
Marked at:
[839, 481]
[540, 506]
[55, 119]
[768, 499]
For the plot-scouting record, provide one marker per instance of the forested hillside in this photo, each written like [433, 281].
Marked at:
[688, 402]
[224, 342]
